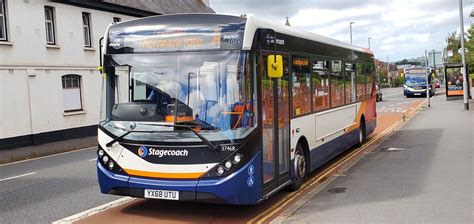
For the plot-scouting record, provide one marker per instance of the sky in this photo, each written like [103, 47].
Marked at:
[401, 29]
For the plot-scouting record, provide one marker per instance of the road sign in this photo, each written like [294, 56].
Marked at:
[450, 53]
[460, 50]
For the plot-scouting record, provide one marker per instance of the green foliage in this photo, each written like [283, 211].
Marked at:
[454, 43]
[398, 81]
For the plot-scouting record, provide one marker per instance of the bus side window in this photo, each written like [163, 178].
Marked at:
[320, 87]
[369, 71]
[349, 83]
[360, 82]
[301, 86]
[337, 84]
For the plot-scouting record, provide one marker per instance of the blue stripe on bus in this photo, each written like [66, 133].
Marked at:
[108, 180]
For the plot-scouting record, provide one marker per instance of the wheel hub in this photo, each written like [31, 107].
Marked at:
[300, 166]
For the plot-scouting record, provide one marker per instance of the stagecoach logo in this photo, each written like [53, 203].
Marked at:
[143, 151]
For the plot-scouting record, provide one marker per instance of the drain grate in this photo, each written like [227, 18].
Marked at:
[337, 190]
[393, 149]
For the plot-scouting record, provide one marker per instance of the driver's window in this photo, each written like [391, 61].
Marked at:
[139, 90]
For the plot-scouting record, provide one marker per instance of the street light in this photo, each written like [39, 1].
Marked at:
[463, 57]
[369, 41]
[350, 28]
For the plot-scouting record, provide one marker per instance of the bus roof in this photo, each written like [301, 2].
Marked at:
[254, 23]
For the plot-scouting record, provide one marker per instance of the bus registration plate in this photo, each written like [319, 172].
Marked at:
[417, 94]
[161, 194]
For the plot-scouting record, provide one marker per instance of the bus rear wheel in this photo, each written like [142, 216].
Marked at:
[362, 133]
[300, 168]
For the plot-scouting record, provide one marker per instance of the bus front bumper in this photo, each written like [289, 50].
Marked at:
[421, 92]
[232, 189]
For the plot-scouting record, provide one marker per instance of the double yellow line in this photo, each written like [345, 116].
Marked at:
[325, 174]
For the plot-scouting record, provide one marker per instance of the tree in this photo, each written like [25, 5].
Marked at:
[454, 44]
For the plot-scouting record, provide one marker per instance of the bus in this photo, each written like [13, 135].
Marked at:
[415, 81]
[225, 109]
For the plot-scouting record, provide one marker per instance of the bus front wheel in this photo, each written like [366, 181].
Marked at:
[300, 168]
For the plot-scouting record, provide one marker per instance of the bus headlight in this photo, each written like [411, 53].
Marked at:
[220, 170]
[111, 165]
[105, 159]
[228, 164]
[237, 158]
[100, 153]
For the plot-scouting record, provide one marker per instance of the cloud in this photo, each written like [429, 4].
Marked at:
[399, 28]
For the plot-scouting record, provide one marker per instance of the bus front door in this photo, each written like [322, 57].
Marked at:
[276, 126]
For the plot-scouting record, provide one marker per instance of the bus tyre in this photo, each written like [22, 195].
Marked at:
[362, 133]
[300, 168]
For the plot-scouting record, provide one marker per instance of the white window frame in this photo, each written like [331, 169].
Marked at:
[3, 20]
[86, 29]
[67, 85]
[50, 10]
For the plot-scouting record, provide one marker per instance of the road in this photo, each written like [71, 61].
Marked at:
[48, 189]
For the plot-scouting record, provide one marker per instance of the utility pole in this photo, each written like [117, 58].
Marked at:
[369, 41]
[465, 85]
[388, 73]
[350, 29]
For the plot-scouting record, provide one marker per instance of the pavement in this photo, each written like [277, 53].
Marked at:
[421, 174]
[18, 154]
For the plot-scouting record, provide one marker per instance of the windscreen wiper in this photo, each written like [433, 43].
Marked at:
[120, 138]
[209, 144]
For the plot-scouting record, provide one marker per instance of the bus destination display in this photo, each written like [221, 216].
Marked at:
[147, 39]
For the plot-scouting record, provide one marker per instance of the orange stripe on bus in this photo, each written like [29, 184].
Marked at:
[163, 175]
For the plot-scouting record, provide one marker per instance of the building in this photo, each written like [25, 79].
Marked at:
[49, 52]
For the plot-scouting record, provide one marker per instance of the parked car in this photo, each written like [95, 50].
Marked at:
[437, 83]
[379, 93]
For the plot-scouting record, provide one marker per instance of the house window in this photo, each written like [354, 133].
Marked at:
[72, 92]
[86, 24]
[3, 21]
[49, 23]
[117, 19]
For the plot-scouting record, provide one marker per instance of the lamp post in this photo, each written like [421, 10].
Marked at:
[350, 29]
[369, 41]
[463, 56]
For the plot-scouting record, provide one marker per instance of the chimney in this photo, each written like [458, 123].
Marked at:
[287, 22]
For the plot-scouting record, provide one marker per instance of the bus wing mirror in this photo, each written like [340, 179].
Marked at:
[275, 66]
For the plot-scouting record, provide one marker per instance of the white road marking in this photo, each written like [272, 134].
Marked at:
[393, 99]
[92, 211]
[93, 159]
[18, 176]
[42, 157]
[393, 94]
